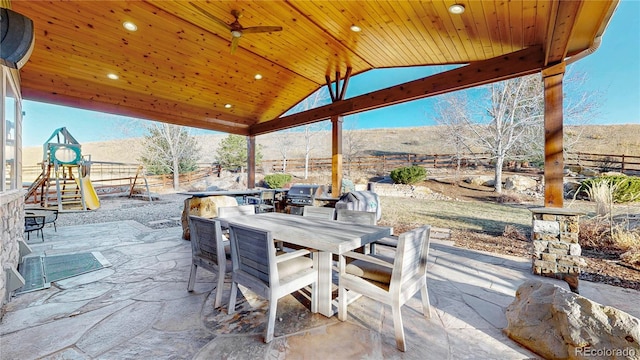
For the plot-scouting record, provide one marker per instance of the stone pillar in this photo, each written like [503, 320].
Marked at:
[556, 251]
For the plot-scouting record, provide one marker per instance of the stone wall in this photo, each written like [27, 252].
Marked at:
[556, 251]
[12, 215]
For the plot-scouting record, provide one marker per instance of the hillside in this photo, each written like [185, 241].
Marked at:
[601, 139]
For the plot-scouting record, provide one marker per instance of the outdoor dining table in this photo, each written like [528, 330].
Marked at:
[327, 236]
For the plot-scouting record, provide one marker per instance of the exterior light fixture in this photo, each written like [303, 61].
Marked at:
[355, 28]
[113, 76]
[227, 106]
[456, 9]
[130, 26]
[258, 76]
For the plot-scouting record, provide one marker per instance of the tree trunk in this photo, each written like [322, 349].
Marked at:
[498, 174]
[176, 173]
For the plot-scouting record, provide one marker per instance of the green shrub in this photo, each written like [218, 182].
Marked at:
[623, 188]
[408, 174]
[277, 181]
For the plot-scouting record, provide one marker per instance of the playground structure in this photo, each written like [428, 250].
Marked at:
[65, 168]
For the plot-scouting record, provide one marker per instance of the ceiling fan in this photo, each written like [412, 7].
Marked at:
[235, 28]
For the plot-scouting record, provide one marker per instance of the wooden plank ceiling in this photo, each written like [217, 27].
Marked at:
[177, 67]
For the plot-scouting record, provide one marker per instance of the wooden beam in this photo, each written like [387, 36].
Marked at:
[519, 63]
[122, 110]
[553, 133]
[327, 79]
[345, 83]
[251, 162]
[336, 155]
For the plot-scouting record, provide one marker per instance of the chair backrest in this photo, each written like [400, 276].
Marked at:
[411, 256]
[356, 216]
[268, 196]
[319, 212]
[253, 254]
[33, 222]
[229, 211]
[206, 239]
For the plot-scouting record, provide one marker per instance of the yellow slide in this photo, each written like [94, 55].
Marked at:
[91, 199]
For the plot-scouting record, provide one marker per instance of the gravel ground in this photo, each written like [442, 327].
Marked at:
[160, 213]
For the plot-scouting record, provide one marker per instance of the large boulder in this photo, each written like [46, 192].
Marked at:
[481, 180]
[519, 183]
[558, 324]
[203, 206]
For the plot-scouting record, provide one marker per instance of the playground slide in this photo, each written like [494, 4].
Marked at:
[90, 197]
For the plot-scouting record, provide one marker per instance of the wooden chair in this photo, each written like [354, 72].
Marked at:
[34, 223]
[392, 281]
[358, 217]
[265, 202]
[256, 266]
[209, 251]
[319, 212]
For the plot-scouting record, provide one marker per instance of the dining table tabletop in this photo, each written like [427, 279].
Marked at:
[327, 236]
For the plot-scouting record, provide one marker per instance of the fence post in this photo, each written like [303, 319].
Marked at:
[622, 166]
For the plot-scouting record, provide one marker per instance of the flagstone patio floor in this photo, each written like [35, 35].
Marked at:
[139, 308]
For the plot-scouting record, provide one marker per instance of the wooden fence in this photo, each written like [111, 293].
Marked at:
[381, 163]
[627, 164]
[119, 175]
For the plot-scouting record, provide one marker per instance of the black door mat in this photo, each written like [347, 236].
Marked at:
[40, 271]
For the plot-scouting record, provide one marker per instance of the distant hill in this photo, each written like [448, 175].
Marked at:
[600, 139]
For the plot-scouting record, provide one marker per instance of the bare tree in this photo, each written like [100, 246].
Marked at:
[283, 142]
[452, 113]
[353, 143]
[169, 149]
[320, 97]
[507, 118]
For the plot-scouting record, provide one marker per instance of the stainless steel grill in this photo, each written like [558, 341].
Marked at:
[302, 195]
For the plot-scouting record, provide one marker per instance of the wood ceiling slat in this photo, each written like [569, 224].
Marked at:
[473, 24]
[415, 33]
[464, 48]
[516, 24]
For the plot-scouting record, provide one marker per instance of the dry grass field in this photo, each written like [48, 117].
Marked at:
[600, 139]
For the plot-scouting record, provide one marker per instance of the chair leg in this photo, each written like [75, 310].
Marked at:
[192, 277]
[271, 320]
[219, 289]
[232, 298]
[54, 227]
[398, 327]
[426, 306]
[342, 303]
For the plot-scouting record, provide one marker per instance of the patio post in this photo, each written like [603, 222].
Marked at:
[553, 151]
[336, 157]
[251, 162]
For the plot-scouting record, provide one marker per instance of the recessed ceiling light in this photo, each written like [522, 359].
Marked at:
[258, 76]
[355, 28]
[456, 9]
[113, 76]
[228, 106]
[130, 26]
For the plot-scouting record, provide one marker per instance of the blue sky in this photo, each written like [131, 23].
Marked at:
[614, 70]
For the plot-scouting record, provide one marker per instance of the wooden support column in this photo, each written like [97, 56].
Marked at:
[251, 162]
[553, 132]
[336, 155]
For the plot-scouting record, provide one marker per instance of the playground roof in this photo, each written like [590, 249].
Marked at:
[177, 67]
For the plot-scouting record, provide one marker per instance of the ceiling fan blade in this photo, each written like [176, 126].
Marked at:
[260, 29]
[234, 44]
[208, 14]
